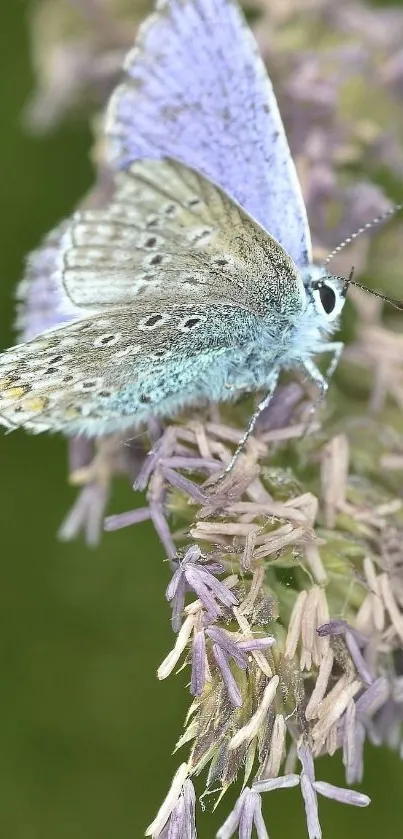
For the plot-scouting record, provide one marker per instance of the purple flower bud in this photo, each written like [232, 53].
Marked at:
[344, 796]
[223, 639]
[198, 677]
[233, 691]
[246, 814]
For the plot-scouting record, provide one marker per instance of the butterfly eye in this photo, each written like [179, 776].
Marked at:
[327, 298]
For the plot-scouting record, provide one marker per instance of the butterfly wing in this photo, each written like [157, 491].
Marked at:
[221, 287]
[110, 372]
[42, 303]
[197, 90]
[170, 230]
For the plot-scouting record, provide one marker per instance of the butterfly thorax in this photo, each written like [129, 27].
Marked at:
[303, 335]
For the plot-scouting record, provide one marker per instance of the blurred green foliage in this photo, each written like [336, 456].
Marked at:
[86, 729]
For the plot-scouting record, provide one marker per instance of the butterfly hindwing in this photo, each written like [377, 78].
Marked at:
[112, 371]
[42, 302]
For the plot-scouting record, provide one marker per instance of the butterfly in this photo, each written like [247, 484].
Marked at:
[195, 282]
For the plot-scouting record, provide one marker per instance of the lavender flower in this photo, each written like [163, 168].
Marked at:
[197, 574]
[310, 788]
[225, 648]
[252, 707]
[246, 814]
[211, 643]
[176, 816]
[357, 723]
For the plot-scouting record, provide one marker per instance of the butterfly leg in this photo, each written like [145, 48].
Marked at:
[253, 420]
[322, 381]
[336, 349]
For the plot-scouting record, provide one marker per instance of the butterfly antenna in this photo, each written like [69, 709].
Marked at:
[397, 304]
[368, 226]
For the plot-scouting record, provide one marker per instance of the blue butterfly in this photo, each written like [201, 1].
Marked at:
[195, 283]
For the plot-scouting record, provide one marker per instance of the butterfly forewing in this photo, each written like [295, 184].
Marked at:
[169, 230]
[197, 91]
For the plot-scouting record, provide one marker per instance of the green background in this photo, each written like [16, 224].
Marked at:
[86, 728]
